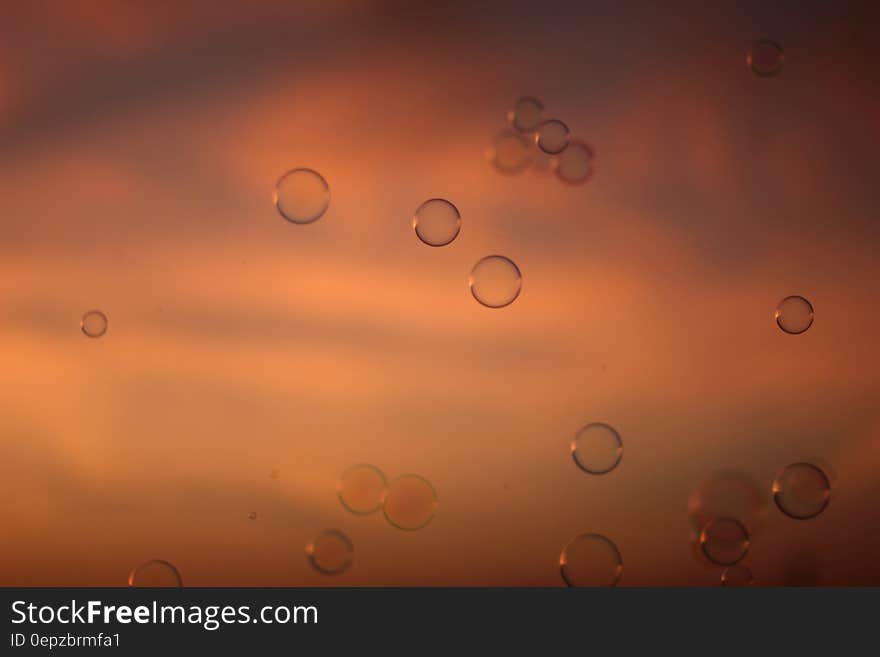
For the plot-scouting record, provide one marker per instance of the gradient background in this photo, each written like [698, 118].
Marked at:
[139, 146]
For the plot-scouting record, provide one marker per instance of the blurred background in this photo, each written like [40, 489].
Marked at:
[249, 361]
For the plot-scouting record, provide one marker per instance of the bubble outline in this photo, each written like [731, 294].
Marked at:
[82, 323]
[777, 313]
[471, 281]
[776, 489]
[160, 562]
[563, 561]
[277, 201]
[433, 512]
[384, 488]
[751, 63]
[591, 171]
[538, 136]
[415, 222]
[492, 150]
[703, 541]
[310, 552]
[574, 448]
[511, 114]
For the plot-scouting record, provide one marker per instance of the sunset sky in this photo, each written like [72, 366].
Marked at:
[140, 144]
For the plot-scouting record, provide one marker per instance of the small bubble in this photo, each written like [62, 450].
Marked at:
[510, 152]
[724, 541]
[362, 488]
[552, 136]
[302, 196]
[802, 491]
[597, 448]
[437, 222]
[738, 575]
[410, 502]
[794, 314]
[590, 560]
[93, 324]
[495, 281]
[331, 552]
[574, 165]
[765, 58]
[252, 515]
[526, 114]
[155, 573]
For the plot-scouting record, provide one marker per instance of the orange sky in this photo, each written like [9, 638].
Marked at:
[138, 150]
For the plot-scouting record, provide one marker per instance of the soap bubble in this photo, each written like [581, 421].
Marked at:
[724, 541]
[495, 281]
[361, 489]
[526, 114]
[331, 552]
[765, 58]
[510, 152]
[802, 491]
[574, 165]
[302, 196]
[590, 560]
[93, 324]
[597, 448]
[794, 314]
[552, 136]
[437, 222]
[155, 573]
[410, 502]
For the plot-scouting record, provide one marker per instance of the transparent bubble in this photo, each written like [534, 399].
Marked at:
[526, 114]
[552, 136]
[93, 324]
[410, 502]
[252, 515]
[495, 281]
[331, 552]
[155, 573]
[597, 448]
[510, 152]
[738, 575]
[590, 560]
[724, 541]
[802, 491]
[574, 165]
[794, 314]
[362, 488]
[765, 58]
[437, 222]
[302, 196]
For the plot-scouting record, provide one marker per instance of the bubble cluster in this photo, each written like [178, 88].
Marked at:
[597, 448]
[724, 541]
[794, 314]
[737, 575]
[410, 502]
[155, 573]
[765, 58]
[331, 552]
[437, 222]
[590, 560]
[302, 196]
[802, 491]
[361, 489]
[495, 281]
[93, 324]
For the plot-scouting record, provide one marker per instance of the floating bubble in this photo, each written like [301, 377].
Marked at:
[410, 502]
[590, 560]
[93, 324]
[738, 575]
[794, 314]
[802, 491]
[724, 541]
[495, 281]
[510, 152]
[252, 515]
[437, 222]
[597, 448]
[765, 58]
[552, 136]
[331, 552]
[526, 114]
[302, 196]
[362, 489]
[574, 165]
[155, 573]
